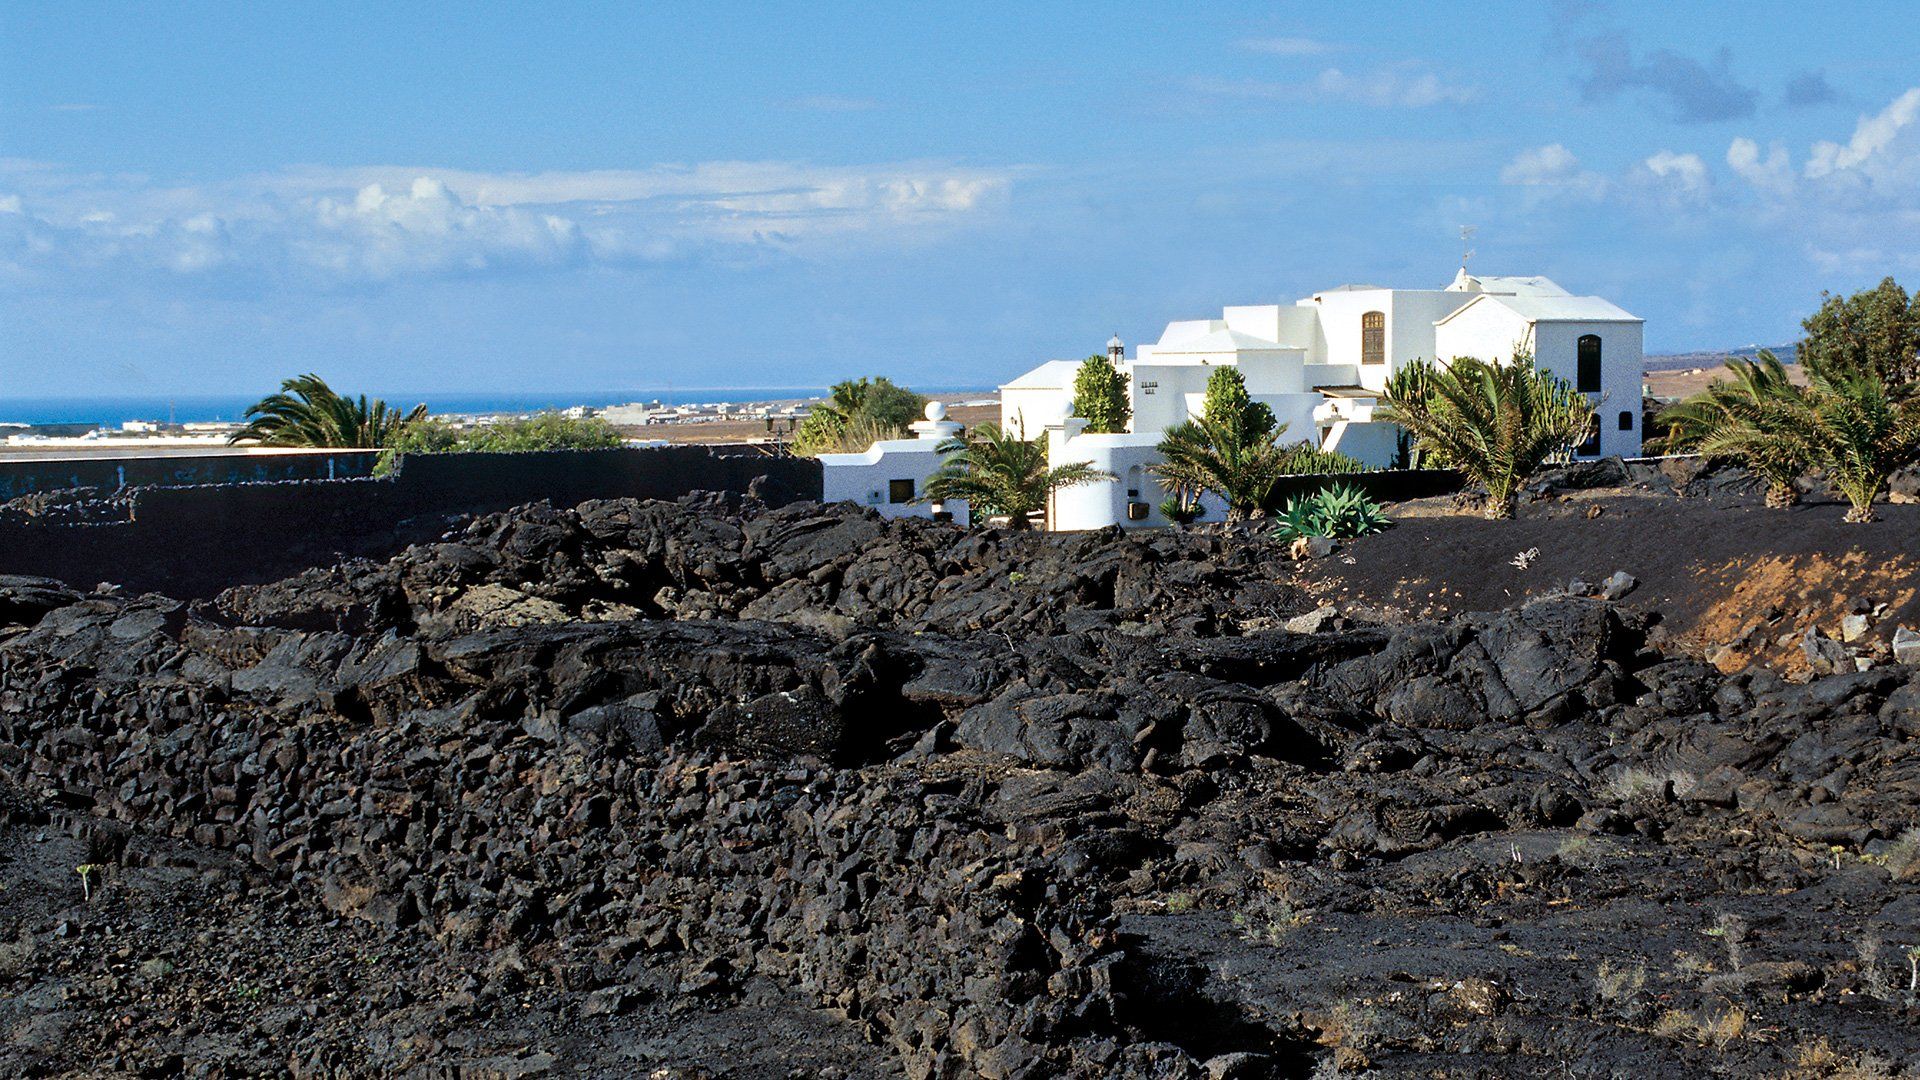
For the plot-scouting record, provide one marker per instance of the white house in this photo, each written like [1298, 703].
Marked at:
[1320, 363]
[892, 474]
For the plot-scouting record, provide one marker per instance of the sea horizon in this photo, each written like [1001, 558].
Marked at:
[115, 409]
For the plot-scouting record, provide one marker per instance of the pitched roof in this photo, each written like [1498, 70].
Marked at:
[1549, 308]
[1052, 375]
[1217, 341]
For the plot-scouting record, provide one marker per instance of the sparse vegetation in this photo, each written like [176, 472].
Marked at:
[1496, 423]
[541, 431]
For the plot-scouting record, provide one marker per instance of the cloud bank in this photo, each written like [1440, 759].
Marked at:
[352, 226]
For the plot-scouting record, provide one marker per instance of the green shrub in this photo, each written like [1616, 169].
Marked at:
[1306, 459]
[541, 431]
[1337, 513]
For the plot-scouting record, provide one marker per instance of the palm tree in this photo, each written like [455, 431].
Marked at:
[1238, 464]
[1751, 417]
[1496, 423]
[307, 412]
[1861, 434]
[1001, 474]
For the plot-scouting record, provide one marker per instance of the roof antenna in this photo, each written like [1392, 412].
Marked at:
[1466, 237]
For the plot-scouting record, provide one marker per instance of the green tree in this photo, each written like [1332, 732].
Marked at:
[1000, 474]
[1497, 423]
[1861, 434]
[307, 412]
[1873, 332]
[888, 407]
[1755, 416]
[1227, 402]
[1100, 395]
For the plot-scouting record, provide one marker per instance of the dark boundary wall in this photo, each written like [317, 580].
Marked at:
[1385, 485]
[111, 472]
[191, 542]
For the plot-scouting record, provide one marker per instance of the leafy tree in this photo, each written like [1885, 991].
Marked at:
[1755, 416]
[1228, 459]
[889, 406]
[1861, 434]
[1001, 474]
[1497, 423]
[1227, 402]
[1100, 395]
[1873, 332]
[307, 412]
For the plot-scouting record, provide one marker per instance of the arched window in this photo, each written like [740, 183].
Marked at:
[1587, 377]
[1626, 420]
[1373, 337]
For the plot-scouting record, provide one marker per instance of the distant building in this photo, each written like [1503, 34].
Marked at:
[1321, 364]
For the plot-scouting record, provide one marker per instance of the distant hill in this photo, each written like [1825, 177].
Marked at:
[1712, 359]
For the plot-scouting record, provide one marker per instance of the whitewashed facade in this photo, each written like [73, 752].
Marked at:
[1320, 363]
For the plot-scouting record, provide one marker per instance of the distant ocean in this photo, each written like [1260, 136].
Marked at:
[113, 411]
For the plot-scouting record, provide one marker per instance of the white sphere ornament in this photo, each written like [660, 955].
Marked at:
[936, 411]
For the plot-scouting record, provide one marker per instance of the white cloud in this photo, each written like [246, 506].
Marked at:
[1772, 174]
[1287, 46]
[1872, 138]
[1405, 87]
[1680, 174]
[1553, 166]
[376, 223]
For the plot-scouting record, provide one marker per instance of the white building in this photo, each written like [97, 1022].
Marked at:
[1320, 363]
[892, 474]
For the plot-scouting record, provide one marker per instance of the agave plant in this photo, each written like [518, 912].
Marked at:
[1002, 474]
[1861, 433]
[1756, 416]
[307, 412]
[1339, 512]
[1496, 423]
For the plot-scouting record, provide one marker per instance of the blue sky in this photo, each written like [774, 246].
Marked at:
[418, 197]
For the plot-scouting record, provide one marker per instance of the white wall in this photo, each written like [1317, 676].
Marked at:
[1490, 331]
[1127, 457]
[1032, 408]
[863, 478]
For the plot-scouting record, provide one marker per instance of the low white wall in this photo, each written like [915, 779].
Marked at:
[867, 478]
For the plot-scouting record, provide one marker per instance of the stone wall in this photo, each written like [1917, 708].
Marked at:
[191, 542]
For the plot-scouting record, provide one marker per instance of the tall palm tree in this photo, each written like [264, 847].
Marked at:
[1753, 417]
[1229, 459]
[1001, 474]
[307, 412]
[1496, 423]
[1861, 434]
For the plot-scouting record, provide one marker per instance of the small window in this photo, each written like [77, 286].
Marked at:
[1587, 377]
[1626, 420]
[1373, 337]
[899, 491]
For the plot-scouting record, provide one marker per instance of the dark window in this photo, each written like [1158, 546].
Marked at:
[1626, 420]
[899, 491]
[1587, 378]
[1373, 338]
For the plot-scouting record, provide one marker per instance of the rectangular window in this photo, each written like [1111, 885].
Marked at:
[1587, 378]
[1626, 421]
[1373, 337]
[899, 491]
